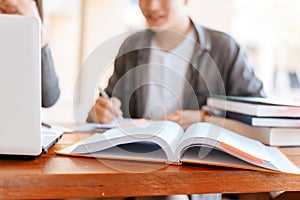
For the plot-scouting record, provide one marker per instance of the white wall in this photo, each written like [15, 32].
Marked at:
[62, 23]
[215, 14]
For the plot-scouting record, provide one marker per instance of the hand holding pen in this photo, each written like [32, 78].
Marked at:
[107, 109]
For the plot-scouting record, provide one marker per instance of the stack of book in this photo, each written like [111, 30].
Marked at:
[271, 121]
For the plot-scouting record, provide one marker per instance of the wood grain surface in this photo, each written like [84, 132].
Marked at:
[52, 176]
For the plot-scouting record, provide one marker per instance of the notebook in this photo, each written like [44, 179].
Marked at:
[20, 75]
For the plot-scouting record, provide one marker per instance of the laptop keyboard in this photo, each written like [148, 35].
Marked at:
[49, 139]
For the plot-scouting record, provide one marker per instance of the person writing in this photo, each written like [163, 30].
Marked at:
[50, 84]
[168, 70]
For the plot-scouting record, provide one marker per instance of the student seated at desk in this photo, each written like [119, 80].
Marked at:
[167, 70]
[50, 86]
[176, 61]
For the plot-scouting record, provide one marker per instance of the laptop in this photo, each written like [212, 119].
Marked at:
[20, 87]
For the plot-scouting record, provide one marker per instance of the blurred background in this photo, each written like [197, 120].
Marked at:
[269, 30]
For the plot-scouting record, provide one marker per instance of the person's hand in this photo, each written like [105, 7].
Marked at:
[22, 7]
[186, 117]
[106, 110]
[18, 7]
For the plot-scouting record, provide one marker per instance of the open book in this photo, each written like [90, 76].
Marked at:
[165, 141]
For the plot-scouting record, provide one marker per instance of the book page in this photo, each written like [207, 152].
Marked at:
[281, 162]
[90, 127]
[261, 100]
[216, 157]
[133, 151]
[254, 109]
[166, 134]
[209, 135]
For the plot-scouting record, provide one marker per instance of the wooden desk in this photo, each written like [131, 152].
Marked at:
[52, 176]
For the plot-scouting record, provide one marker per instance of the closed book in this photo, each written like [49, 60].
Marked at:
[273, 136]
[255, 106]
[264, 121]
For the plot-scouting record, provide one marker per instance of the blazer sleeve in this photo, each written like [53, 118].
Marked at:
[237, 72]
[50, 84]
[242, 79]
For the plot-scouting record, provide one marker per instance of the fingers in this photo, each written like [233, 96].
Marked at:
[22, 7]
[19, 7]
[9, 7]
[116, 106]
[186, 117]
[175, 117]
[107, 110]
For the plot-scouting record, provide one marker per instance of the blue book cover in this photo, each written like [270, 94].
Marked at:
[264, 121]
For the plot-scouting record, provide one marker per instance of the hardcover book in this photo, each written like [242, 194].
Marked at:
[265, 121]
[255, 106]
[274, 136]
[165, 141]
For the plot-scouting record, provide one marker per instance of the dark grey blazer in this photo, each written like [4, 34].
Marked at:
[218, 66]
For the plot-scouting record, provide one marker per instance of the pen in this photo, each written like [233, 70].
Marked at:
[46, 125]
[103, 93]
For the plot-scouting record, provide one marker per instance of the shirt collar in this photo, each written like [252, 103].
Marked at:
[202, 38]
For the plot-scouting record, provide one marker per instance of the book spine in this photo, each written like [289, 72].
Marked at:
[240, 117]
